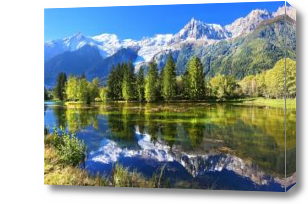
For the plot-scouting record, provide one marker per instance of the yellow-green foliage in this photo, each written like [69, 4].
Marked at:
[223, 86]
[271, 83]
[291, 78]
[152, 84]
[80, 89]
[249, 85]
[103, 93]
[196, 81]
[72, 88]
[169, 80]
[70, 150]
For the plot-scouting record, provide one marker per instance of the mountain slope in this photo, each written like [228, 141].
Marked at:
[246, 46]
[249, 23]
[249, 54]
[75, 63]
[102, 68]
[196, 30]
[86, 60]
[289, 10]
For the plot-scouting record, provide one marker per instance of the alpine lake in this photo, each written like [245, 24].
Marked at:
[230, 146]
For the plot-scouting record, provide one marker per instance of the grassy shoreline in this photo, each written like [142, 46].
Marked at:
[259, 101]
[56, 173]
[61, 167]
[273, 103]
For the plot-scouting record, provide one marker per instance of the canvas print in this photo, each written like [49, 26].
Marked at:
[196, 96]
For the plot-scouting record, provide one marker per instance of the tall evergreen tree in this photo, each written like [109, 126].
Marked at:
[151, 85]
[111, 83]
[115, 82]
[169, 80]
[196, 79]
[128, 84]
[45, 94]
[160, 82]
[140, 84]
[60, 87]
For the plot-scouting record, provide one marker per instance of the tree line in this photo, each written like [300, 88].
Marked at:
[278, 82]
[164, 85]
[74, 88]
[157, 85]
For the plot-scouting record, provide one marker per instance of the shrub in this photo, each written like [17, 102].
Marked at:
[70, 150]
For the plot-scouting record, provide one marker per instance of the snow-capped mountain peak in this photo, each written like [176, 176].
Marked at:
[291, 12]
[245, 25]
[196, 29]
[76, 41]
[106, 38]
[108, 44]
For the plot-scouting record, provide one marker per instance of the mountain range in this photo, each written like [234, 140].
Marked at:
[247, 46]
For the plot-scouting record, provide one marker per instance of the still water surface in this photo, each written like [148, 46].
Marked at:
[200, 145]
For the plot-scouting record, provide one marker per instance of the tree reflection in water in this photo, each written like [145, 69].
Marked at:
[246, 140]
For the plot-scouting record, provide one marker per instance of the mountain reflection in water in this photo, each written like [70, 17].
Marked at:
[199, 145]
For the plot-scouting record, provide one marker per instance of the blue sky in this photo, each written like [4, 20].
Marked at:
[136, 22]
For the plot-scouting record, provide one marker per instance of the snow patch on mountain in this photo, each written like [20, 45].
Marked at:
[107, 43]
[248, 24]
[195, 31]
[291, 12]
[151, 46]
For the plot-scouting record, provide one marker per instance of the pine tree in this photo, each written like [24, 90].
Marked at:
[196, 79]
[60, 87]
[45, 94]
[169, 80]
[140, 84]
[151, 85]
[115, 82]
[160, 82]
[128, 84]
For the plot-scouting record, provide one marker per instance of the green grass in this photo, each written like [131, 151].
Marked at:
[259, 101]
[274, 103]
[56, 173]
[74, 102]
